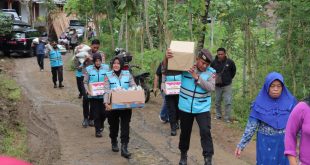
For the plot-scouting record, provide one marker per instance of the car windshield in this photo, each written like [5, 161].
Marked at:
[76, 23]
[12, 13]
[32, 34]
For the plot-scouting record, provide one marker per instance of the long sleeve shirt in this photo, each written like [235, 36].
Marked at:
[252, 127]
[299, 121]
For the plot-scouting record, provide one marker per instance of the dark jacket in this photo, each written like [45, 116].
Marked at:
[40, 48]
[228, 73]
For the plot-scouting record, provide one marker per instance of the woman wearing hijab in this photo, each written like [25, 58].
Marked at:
[96, 73]
[115, 79]
[299, 121]
[269, 114]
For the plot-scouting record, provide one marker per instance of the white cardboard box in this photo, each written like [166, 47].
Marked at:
[183, 55]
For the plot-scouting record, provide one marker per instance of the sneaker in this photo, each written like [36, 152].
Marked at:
[85, 123]
[162, 119]
[42, 70]
[173, 132]
[217, 117]
[98, 134]
[61, 86]
[55, 86]
[91, 123]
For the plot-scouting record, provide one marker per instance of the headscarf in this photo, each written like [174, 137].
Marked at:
[96, 56]
[121, 62]
[273, 111]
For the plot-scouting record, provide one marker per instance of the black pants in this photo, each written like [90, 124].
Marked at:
[117, 117]
[172, 102]
[57, 73]
[80, 84]
[204, 123]
[40, 59]
[99, 112]
[88, 111]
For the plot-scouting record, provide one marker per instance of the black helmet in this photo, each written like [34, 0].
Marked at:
[118, 51]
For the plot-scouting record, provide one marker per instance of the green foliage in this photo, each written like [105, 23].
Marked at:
[148, 61]
[9, 89]
[13, 134]
[5, 25]
[260, 36]
[13, 140]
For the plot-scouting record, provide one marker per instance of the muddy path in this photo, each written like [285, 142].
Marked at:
[56, 136]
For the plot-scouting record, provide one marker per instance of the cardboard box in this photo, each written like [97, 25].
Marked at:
[172, 87]
[96, 89]
[183, 55]
[127, 99]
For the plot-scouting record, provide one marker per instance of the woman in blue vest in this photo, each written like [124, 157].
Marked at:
[96, 73]
[56, 64]
[195, 102]
[115, 79]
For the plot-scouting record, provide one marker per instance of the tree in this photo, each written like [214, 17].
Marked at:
[204, 21]
[5, 25]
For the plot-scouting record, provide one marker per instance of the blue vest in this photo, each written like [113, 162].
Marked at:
[116, 82]
[193, 98]
[174, 77]
[97, 75]
[55, 58]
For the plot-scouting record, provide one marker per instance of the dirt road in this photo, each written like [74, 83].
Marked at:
[56, 136]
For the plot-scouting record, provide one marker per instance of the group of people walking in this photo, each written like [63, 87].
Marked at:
[96, 109]
[275, 115]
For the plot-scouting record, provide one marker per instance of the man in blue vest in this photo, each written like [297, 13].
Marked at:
[88, 112]
[195, 102]
[56, 64]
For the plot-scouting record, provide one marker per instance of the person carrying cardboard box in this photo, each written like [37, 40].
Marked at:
[116, 79]
[195, 102]
[94, 75]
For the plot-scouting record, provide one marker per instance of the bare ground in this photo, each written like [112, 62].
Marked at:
[53, 119]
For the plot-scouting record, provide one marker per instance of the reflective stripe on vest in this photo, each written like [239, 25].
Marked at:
[96, 76]
[192, 94]
[193, 98]
[116, 82]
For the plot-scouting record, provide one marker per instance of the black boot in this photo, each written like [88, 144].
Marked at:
[183, 160]
[115, 147]
[208, 160]
[124, 151]
[173, 129]
[60, 85]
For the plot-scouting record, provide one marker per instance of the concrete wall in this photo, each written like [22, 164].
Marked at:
[24, 10]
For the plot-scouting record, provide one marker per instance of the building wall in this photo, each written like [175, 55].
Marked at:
[24, 13]
[42, 10]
